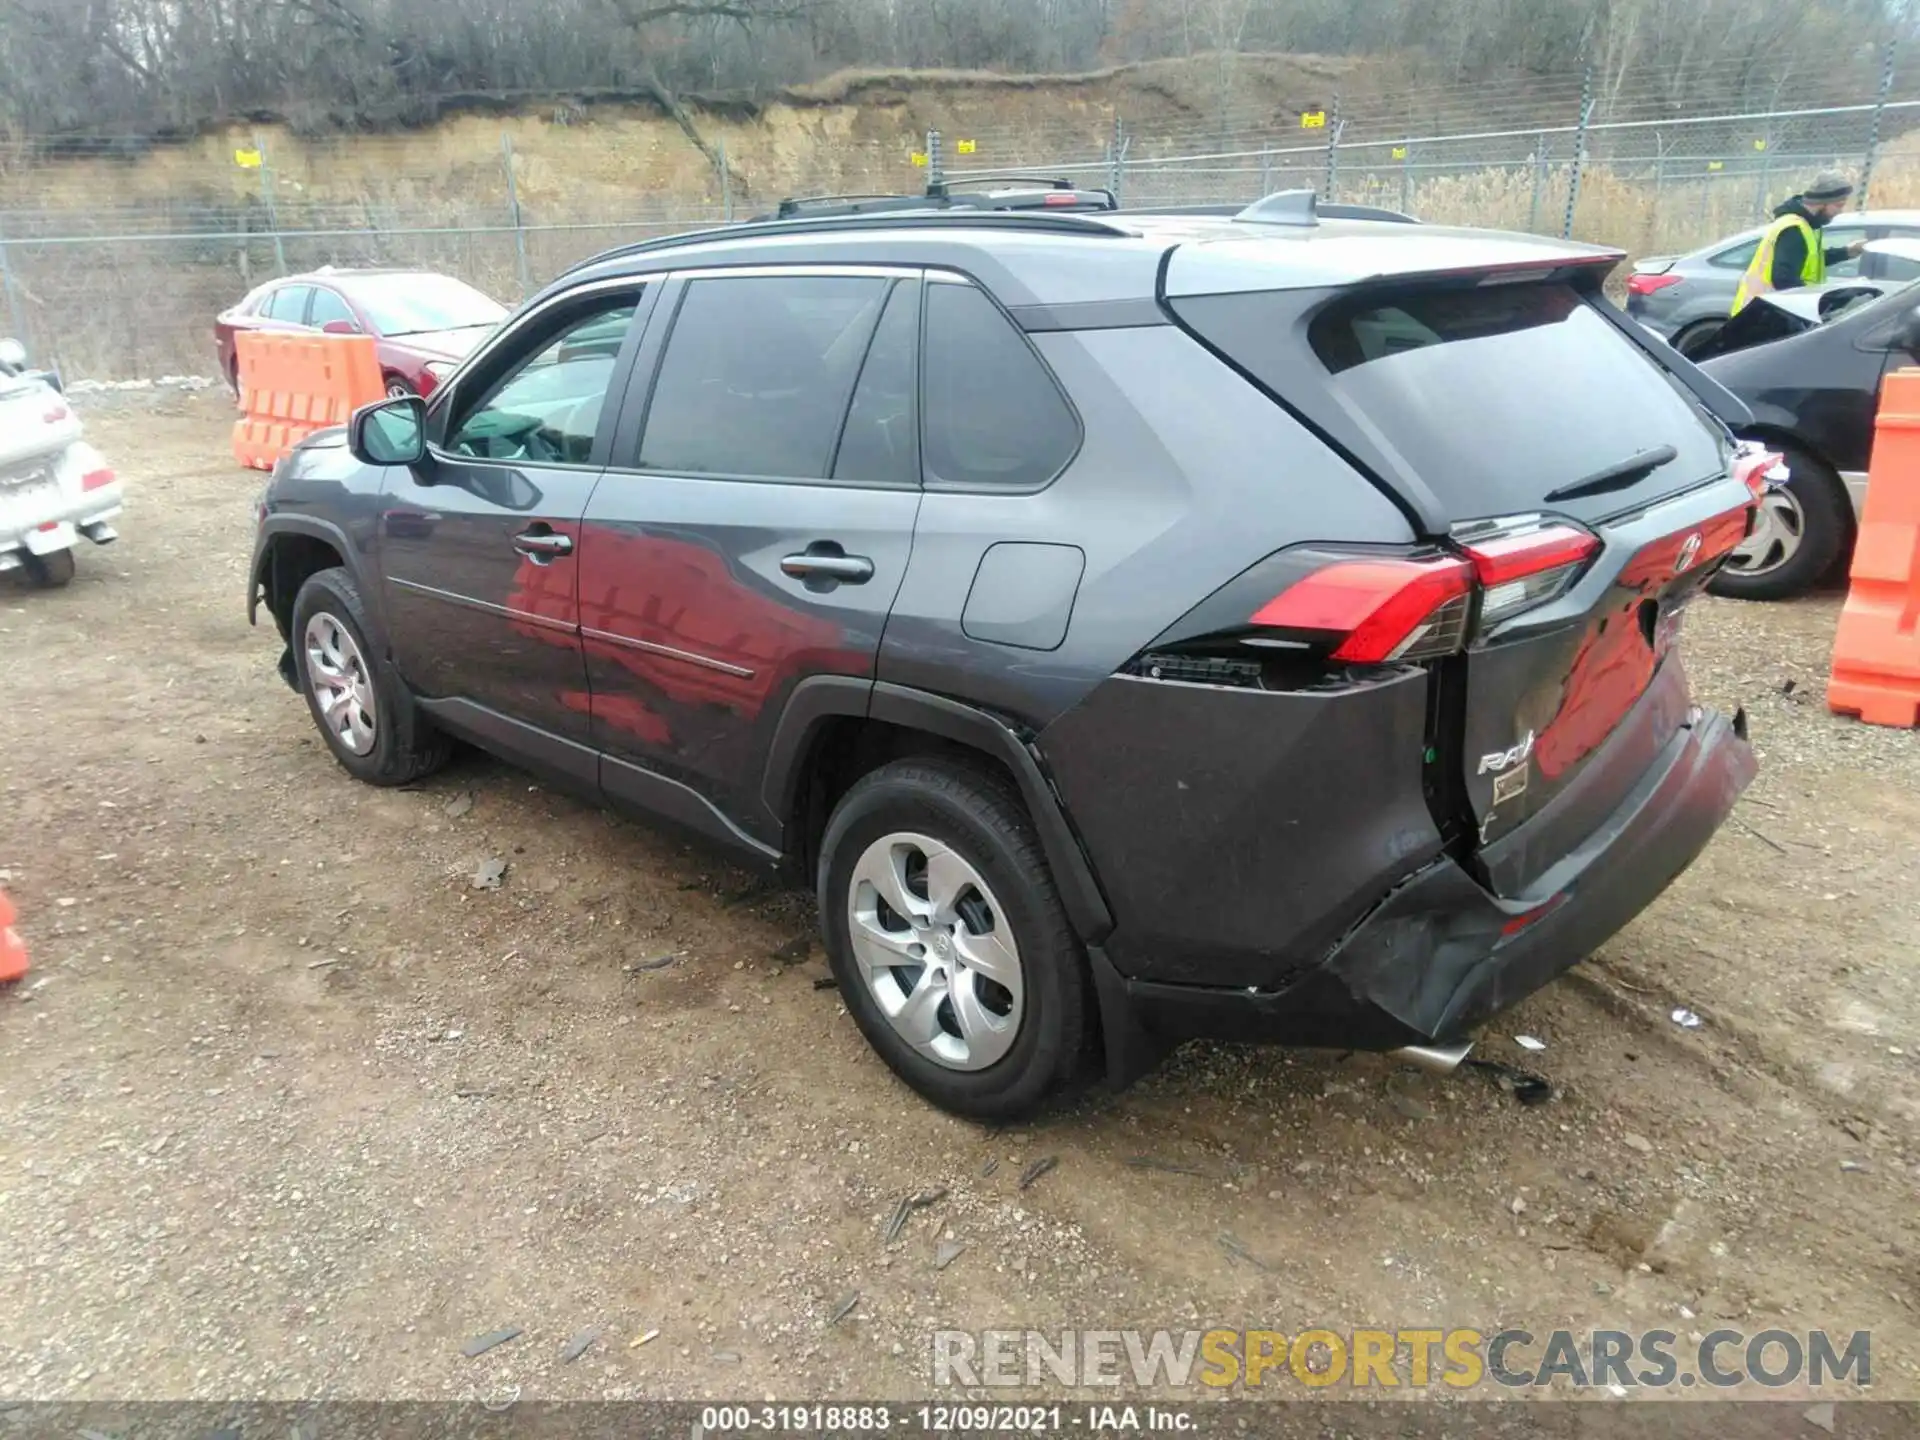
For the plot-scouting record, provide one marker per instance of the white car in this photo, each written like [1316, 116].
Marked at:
[54, 487]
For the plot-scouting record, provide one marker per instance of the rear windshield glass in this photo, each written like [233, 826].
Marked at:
[1493, 395]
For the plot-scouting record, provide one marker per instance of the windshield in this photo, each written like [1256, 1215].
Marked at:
[410, 304]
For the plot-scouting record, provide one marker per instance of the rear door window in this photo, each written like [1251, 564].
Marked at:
[289, 303]
[328, 306]
[994, 417]
[878, 445]
[1736, 257]
[757, 375]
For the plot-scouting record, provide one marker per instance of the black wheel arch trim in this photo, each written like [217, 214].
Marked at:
[823, 697]
[314, 528]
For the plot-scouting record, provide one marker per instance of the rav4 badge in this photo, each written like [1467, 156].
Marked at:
[1506, 759]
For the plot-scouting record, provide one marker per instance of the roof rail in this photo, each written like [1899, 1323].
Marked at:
[1332, 210]
[799, 205]
[999, 177]
[1054, 221]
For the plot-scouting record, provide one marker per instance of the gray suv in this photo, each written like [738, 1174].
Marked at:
[1132, 627]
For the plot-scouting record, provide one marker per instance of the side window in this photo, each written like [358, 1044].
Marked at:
[757, 374]
[289, 303]
[994, 418]
[1738, 257]
[878, 445]
[329, 306]
[1833, 239]
[546, 408]
[1890, 267]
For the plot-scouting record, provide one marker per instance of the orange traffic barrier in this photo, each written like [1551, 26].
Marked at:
[293, 385]
[13, 950]
[1876, 651]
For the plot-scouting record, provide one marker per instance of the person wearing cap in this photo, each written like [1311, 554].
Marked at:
[1790, 253]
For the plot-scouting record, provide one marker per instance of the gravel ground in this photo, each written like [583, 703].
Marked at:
[289, 1109]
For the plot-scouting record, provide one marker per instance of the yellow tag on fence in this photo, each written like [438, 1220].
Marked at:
[1716, 165]
[920, 158]
[1399, 152]
[1759, 144]
[1313, 119]
[965, 147]
[247, 159]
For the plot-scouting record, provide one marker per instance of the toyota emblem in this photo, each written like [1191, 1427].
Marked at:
[1689, 552]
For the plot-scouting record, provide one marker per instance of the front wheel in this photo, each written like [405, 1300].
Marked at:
[1798, 536]
[365, 715]
[948, 940]
[399, 387]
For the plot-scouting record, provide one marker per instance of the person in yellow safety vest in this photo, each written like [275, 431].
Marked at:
[1790, 253]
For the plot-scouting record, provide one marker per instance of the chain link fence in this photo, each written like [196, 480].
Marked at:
[116, 255]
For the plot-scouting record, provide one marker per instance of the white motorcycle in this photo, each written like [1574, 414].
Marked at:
[54, 487]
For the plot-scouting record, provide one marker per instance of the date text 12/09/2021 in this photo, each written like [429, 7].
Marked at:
[940, 1419]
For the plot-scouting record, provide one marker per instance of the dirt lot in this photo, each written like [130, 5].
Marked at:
[289, 1109]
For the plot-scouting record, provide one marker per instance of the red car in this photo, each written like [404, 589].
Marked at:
[424, 323]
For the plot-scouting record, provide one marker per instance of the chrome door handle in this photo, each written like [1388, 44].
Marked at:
[847, 569]
[542, 545]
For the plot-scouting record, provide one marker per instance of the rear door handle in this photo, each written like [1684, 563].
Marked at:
[813, 565]
[542, 544]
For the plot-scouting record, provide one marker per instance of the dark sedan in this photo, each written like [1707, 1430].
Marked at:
[424, 323]
[1809, 363]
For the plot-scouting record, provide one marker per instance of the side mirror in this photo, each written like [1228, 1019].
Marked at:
[340, 327]
[393, 432]
[13, 355]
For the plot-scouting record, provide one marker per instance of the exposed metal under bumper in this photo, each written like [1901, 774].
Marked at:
[1440, 1059]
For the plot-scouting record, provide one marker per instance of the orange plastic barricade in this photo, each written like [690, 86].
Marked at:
[293, 385]
[13, 950]
[1876, 651]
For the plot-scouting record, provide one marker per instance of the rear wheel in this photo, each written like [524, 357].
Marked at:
[49, 572]
[1688, 338]
[398, 387]
[948, 939]
[1797, 538]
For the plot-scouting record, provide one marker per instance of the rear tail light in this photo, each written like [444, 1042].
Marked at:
[54, 414]
[1759, 468]
[1649, 284]
[1518, 570]
[1381, 610]
[96, 479]
[1387, 609]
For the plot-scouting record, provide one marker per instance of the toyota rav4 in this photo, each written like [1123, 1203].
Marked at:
[1133, 627]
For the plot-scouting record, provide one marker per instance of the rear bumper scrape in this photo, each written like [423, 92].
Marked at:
[1440, 955]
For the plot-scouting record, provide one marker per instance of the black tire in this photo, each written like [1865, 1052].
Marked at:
[48, 572]
[398, 386]
[981, 817]
[1688, 337]
[405, 747]
[1826, 525]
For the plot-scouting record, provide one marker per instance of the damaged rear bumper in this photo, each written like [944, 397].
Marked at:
[1440, 955]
